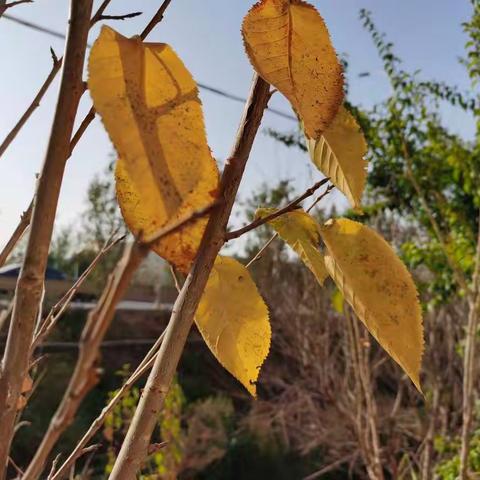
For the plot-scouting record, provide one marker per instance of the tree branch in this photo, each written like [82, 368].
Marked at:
[144, 366]
[85, 375]
[59, 308]
[57, 64]
[120, 17]
[17, 234]
[5, 6]
[156, 19]
[30, 282]
[259, 254]
[135, 446]
[288, 208]
[169, 229]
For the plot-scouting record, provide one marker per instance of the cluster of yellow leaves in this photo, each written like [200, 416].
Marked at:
[289, 46]
[150, 107]
[369, 276]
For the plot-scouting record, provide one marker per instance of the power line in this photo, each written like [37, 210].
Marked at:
[208, 88]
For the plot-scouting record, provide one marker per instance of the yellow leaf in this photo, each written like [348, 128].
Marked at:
[300, 231]
[339, 154]
[233, 319]
[149, 105]
[289, 46]
[379, 288]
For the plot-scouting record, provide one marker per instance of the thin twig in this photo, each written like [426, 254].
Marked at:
[262, 250]
[17, 234]
[120, 17]
[328, 468]
[288, 208]
[168, 230]
[156, 19]
[59, 308]
[144, 366]
[15, 466]
[57, 64]
[29, 285]
[320, 198]
[5, 6]
[54, 466]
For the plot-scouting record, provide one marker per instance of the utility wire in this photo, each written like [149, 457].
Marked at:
[208, 88]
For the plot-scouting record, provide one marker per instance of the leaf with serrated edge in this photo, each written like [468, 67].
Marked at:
[149, 104]
[233, 320]
[289, 46]
[379, 288]
[339, 154]
[300, 231]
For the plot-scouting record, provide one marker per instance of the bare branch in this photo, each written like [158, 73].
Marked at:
[85, 375]
[148, 240]
[120, 17]
[144, 366]
[5, 6]
[17, 234]
[156, 19]
[57, 64]
[29, 286]
[15, 466]
[288, 208]
[54, 466]
[262, 250]
[59, 308]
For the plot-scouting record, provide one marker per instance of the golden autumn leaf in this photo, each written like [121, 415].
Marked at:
[301, 232]
[149, 104]
[233, 319]
[339, 153]
[377, 285]
[289, 46]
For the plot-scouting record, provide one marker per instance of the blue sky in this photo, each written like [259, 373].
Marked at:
[206, 34]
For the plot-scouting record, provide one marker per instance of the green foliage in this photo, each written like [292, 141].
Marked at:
[447, 449]
[164, 463]
[420, 171]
